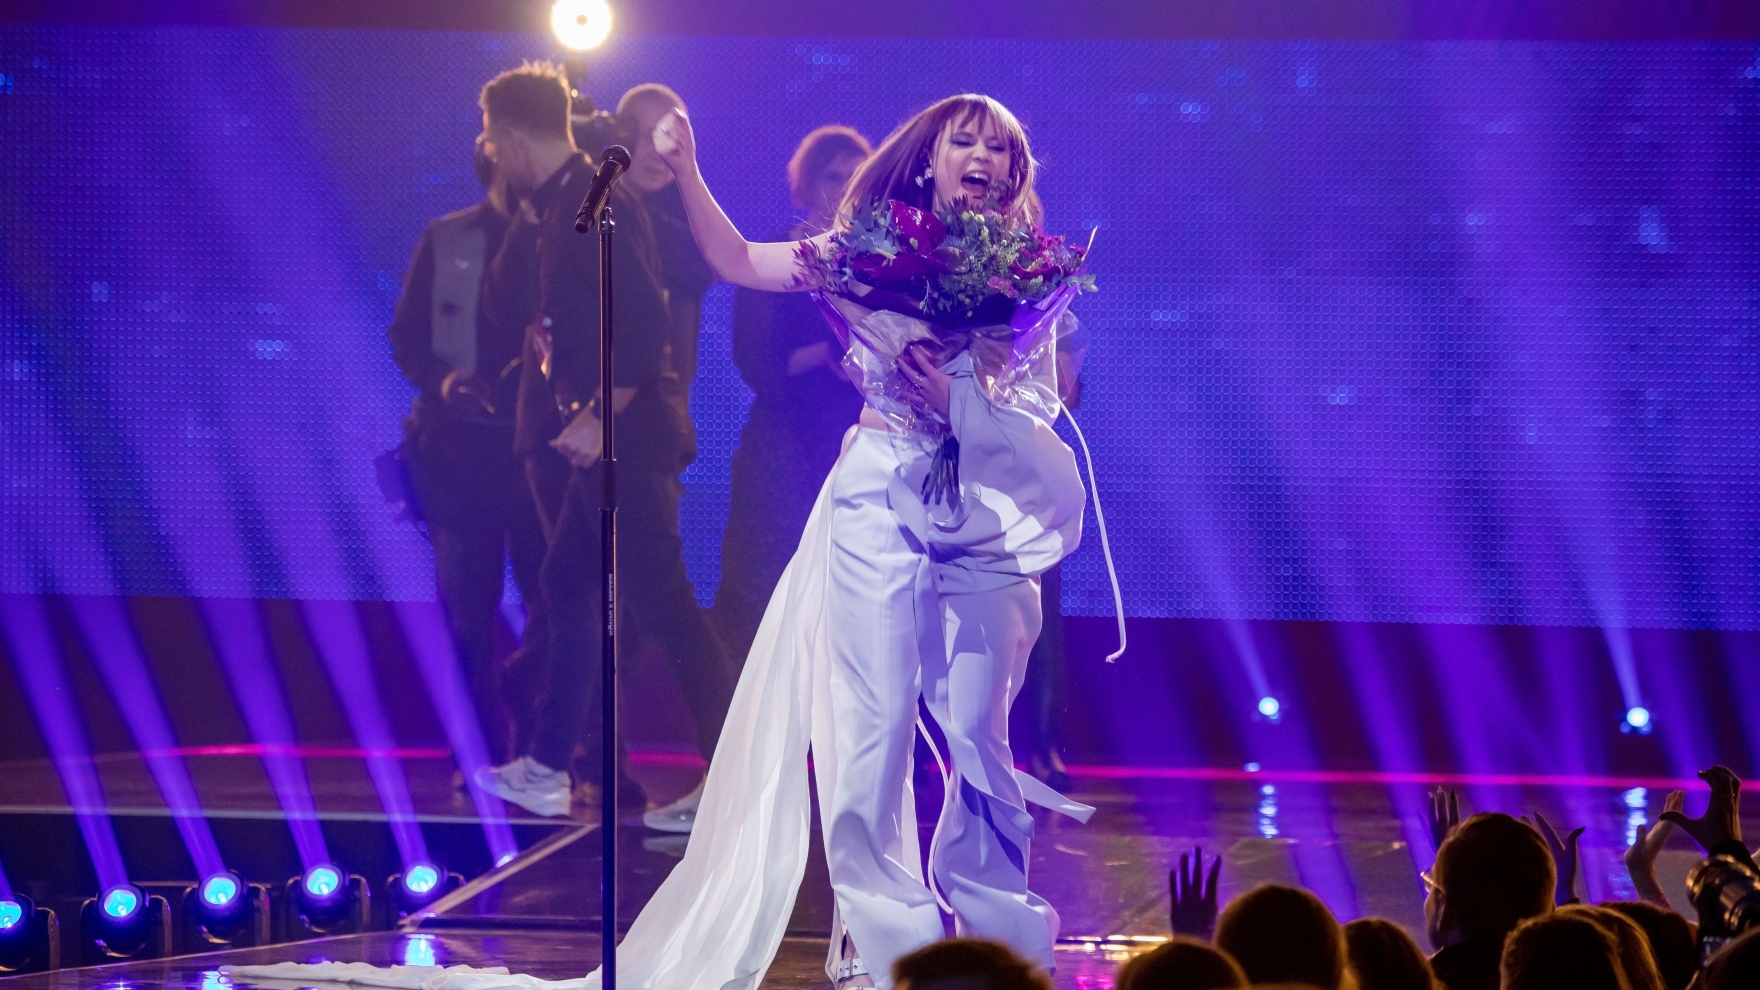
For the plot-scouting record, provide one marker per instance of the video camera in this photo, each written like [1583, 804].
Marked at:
[1726, 893]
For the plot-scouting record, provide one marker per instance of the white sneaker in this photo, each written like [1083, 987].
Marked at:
[529, 784]
[680, 815]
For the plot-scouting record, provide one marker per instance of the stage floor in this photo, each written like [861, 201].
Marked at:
[1349, 837]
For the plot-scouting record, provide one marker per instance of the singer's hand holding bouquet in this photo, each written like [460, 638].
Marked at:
[973, 279]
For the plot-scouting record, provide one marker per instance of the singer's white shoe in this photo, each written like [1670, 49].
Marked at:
[680, 815]
[529, 784]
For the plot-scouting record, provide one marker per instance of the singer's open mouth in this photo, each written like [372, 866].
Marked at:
[977, 184]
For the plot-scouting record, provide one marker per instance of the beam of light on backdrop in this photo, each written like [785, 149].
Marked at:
[29, 638]
[335, 628]
[1444, 333]
[1382, 294]
[108, 632]
[235, 627]
[424, 628]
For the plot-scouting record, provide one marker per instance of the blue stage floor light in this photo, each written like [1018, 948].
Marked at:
[221, 891]
[328, 900]
[224, 911]
[322, 882]
[30, 937]
[121, 923]
[421, 879]
[1270, 708]
[1637, 720]
[122, 903]
[419, 886]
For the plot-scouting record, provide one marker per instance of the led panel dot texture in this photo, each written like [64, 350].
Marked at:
[1402, 332]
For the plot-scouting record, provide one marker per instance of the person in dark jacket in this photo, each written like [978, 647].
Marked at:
[458, 343]
[684, 272]
[802, 403]
[526, 120]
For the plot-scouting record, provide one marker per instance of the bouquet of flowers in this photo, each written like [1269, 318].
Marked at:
[966, 267]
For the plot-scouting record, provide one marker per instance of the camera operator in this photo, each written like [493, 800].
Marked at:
[460, 348]
[526, 119]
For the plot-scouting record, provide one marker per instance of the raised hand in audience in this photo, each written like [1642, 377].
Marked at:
[1194, 900]
[1646, 846]
[1564, 857]
[1443, 816]
[1722, 820]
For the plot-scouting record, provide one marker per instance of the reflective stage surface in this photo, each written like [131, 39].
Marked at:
[1352, 841]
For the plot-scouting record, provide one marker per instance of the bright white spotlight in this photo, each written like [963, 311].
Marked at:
[1270, 707]
[1638, 717]
[581, 24]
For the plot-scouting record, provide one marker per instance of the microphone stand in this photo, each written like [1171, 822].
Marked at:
[608, 622]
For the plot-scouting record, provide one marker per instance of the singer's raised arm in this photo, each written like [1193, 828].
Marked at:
[768, 267]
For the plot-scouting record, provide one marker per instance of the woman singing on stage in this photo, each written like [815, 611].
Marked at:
[917, 573]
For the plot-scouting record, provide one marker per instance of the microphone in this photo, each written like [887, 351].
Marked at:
[616, 159]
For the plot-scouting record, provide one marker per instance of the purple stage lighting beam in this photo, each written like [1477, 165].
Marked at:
[236, 629]
[1388, 698]
[430, 642]
[40, 670]
[335, 627]
[109, 636]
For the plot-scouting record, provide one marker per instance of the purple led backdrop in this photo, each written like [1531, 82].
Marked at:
[1414, 332]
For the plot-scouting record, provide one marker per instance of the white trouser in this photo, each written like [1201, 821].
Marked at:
[892, 635]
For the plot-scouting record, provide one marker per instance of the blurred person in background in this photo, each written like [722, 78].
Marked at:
[527, 122]
[1563, 951]
[1384, 957]
[1045, 687]
[705, 676]
[966, 964]
[1284, 935]
[802, 402]
[1736, 966]
[1181, 963]
[1634, 956]
[1672, 938]
[456, 337]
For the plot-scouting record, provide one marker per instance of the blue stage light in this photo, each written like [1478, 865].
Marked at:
[121, 903]
[421, 878]
[1638, 717]
[220, 890]
[322, 881]
[1270, 707]
[11, 913]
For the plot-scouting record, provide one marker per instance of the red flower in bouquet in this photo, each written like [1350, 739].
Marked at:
[967, 266]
